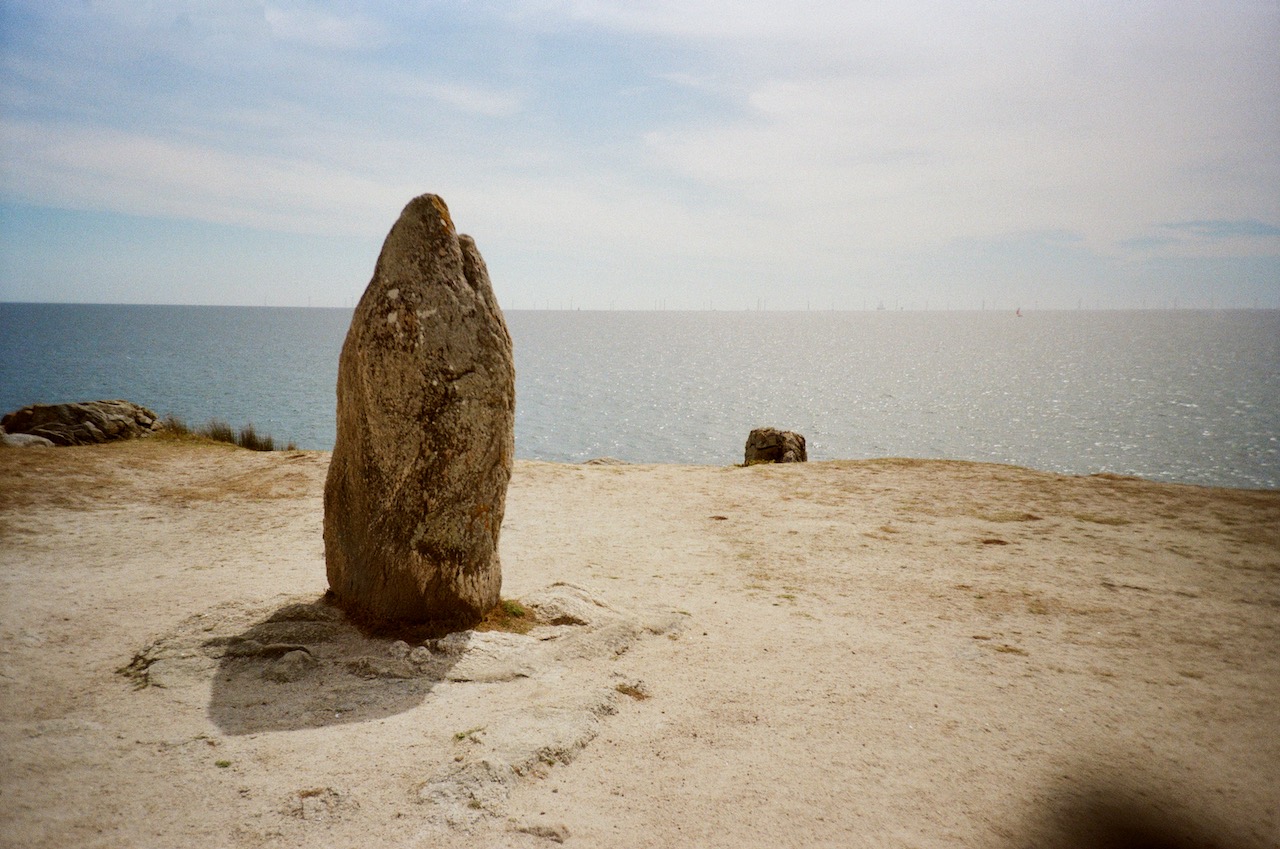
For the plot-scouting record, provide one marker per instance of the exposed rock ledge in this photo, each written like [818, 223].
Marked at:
[305, 666]
[86, 423]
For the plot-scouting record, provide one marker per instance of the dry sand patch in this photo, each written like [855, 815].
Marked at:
[881, 653]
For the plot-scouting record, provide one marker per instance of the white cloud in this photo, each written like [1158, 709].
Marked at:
[1054, 124]
[138, 27]
[712, 20]
[462, 97]
[306, 23]
[140, 175]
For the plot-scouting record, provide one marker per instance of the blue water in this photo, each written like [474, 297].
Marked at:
[1190, 396]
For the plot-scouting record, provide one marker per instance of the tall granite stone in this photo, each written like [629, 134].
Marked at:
[426, 433]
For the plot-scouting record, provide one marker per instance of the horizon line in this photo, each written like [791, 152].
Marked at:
[1016, 309]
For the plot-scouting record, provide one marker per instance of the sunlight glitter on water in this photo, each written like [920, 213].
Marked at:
[1178, 396]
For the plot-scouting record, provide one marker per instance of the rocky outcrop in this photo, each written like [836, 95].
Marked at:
[87, 423]
[426, 433]
[770, 445]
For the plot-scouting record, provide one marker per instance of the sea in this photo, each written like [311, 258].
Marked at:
[1168, 395]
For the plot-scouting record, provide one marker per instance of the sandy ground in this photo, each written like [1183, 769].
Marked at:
[887, 653]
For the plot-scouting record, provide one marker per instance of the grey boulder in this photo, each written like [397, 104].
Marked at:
[770, 445]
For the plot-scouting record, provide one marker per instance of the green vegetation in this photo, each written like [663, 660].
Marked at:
[508, 615]
[216, 430]
[249, 438]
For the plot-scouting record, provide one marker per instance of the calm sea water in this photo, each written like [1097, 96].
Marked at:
[1177, 396]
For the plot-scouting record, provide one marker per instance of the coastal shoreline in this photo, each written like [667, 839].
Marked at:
[889, 652]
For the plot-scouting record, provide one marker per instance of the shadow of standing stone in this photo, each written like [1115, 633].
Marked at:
[304, 666]
[307, 666]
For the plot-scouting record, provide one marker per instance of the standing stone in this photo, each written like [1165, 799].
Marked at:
[770, 445]
[426, 433]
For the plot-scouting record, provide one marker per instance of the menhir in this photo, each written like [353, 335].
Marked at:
[426, 434]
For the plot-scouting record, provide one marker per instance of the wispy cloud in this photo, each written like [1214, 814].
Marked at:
[309, 24]
[474, 99]
[747, 140]
[141, 175]
[1221, 229]
[1240, 238]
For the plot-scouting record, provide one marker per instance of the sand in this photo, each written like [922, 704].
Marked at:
[881, 653]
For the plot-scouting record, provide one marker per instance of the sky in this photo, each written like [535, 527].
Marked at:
[623, 154]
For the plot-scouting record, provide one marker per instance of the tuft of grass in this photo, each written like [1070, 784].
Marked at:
[250, 439]
[508, 615]
[222, 764]
[176, 428]
[217, 430]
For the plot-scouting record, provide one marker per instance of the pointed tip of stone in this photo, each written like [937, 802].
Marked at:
[421, 238]
[429, 206]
